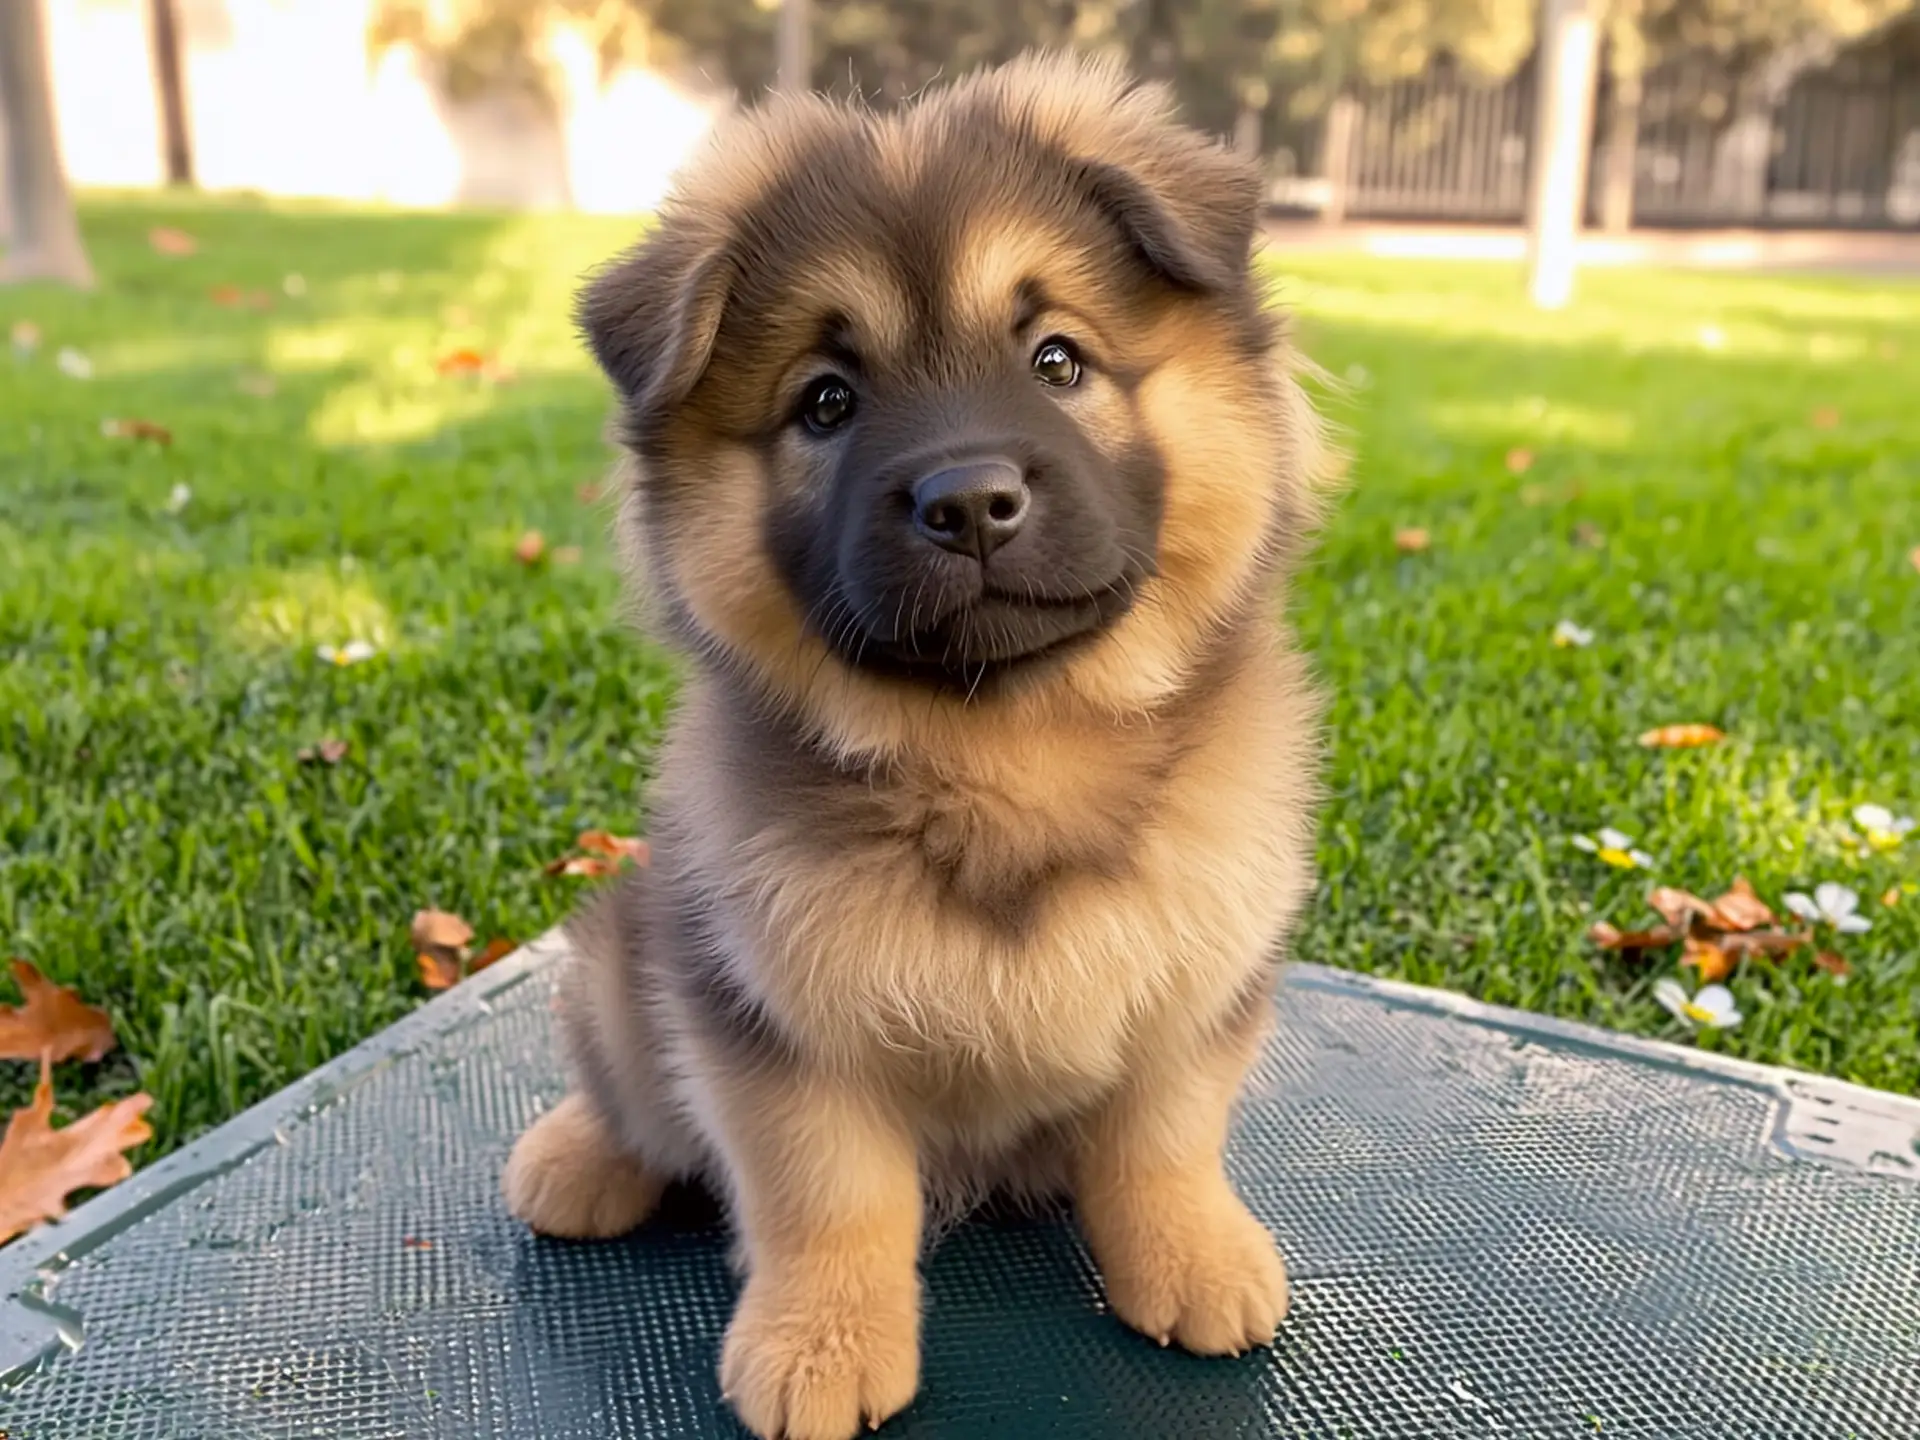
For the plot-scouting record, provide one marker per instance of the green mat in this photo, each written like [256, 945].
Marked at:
[1498, 1225]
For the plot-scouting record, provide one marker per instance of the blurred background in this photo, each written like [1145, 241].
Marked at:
[1702, 112]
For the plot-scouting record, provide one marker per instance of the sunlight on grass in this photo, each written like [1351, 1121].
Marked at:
[312, 607]
[1550, 421]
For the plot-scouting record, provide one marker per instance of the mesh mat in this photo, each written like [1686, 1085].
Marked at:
[1497, 1225]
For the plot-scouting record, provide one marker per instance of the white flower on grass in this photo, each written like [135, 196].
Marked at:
[1615, 848]
[1830, 904]
[1712, 1008]
[351, 653]
[177, 499]
[1568, 635]
[74, 364]
[1883, 829]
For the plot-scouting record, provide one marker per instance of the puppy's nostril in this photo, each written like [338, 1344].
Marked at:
[1002, 508]
[945, 518]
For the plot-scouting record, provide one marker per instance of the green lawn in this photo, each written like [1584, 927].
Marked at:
[244, 916]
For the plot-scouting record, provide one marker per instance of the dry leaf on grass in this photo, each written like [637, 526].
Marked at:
[327, 752]
[614, 847]
[1764, 942]
[1609, 937]
[531, 548]
[464, 361]
[1411, 540]
[1824, 418]
[52, 1021]
[1709, 959]
[498, 948]
[1519, 460]
[1682, 737]
[438, 971]
[441, 945]
[439, 930]
[41, 1166]
[168, 241]
[136, 430]
[591, 866]
[1913, 557]
[1833, 964]
[1890, 897]
[1740, 908]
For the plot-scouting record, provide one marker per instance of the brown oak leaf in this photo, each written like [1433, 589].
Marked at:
[53, 1021]
[40, 1166]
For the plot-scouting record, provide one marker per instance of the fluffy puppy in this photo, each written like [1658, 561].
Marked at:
[962, 463]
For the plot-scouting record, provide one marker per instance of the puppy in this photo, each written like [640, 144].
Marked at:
[962, 463]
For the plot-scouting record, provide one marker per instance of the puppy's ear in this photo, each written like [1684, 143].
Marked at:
[652, 315]
[1189, 210]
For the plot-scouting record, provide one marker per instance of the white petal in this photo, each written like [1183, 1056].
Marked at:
[1672, 997]
[1852, 924]
[1725, 1019]
[1800, 905]
[1714, 997]
[1584, 842]
[1901, 824]
[1614, 840]
[1873, 817]
[1835, 900]
[1642, 859]
[360, 650]
[325, 652]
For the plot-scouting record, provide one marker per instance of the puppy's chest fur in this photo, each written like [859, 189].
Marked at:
[993, 928]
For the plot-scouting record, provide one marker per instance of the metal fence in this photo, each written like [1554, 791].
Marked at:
[1784, 142]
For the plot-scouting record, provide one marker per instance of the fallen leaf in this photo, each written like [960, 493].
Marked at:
[41, 1166]
[130, 429]
[1589, 535]
[498, 948]
[1824, 418]
[588, 494]
[1891, 897]
[229, 296]
[327, 752]
[591, 866]
[532, 547]
[1412, 540]
[438, 971]
[1709, 959]
[1519, 460]
[1682, 737]
[169, 241]
[1913, 557]
[1740, 908]
[1764, 942]
[1608, 937]
[26, 337]
[51, 1020]
[463, 362]
[439, 930]
[614, 847]
[1833, 964]
[567, 555]
[414, 1242]
[1676, 906]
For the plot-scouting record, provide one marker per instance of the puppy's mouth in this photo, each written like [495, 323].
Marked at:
[991, 635]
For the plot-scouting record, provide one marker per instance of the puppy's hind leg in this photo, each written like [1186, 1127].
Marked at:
[567, 1178]
[596, 1165]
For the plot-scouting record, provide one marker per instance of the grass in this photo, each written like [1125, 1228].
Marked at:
[244, 916]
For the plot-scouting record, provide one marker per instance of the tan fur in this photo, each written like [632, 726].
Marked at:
[1027, 941]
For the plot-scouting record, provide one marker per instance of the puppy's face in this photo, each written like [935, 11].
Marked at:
[956, 404]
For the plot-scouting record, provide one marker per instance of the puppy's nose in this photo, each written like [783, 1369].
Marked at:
[971, 509]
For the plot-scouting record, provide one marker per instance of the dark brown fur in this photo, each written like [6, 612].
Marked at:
[1000, 912]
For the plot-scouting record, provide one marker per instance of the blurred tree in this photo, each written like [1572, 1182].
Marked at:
[477, 46]
[176, 144]
[46, 241]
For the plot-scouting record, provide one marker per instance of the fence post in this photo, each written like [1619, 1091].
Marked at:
[795, 50]
[1622, 150]
[1336, 156]
[1563, 138]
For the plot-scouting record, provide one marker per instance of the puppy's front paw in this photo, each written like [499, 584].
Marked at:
[566, 1178]
[810, 1359]
[1204, 1273]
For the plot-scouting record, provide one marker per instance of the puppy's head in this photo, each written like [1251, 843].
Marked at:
[971, 407]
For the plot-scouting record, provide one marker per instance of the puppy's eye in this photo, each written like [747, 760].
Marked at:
[1056, 363]
[827, 404]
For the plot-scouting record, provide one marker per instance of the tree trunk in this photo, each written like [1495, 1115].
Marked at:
[176, 146]
[795, 37]
[1563, 137]
[46, 236]
[1336, 156]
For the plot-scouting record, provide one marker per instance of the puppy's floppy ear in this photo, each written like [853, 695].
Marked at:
[652, 315]
[1189, 214]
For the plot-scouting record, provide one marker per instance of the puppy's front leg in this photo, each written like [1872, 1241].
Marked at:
[827, 1196]
[1182, 1256]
